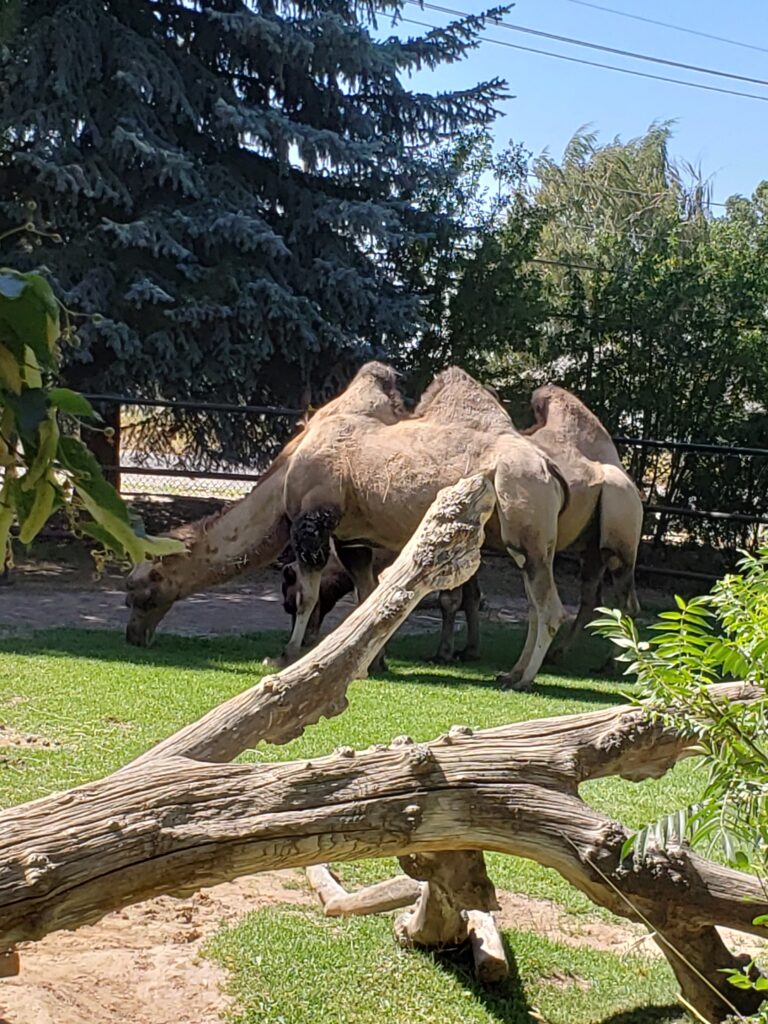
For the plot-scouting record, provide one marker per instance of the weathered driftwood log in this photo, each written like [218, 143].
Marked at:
[171, 824]
[442, 554]
[176, 825]
[453, 885]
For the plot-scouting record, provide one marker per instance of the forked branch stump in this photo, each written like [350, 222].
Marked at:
[178, 818]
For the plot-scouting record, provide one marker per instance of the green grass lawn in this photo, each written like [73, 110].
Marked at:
[105, 703]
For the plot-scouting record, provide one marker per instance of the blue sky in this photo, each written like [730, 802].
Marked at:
[726, 135]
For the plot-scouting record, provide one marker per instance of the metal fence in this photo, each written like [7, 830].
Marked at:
[668, 526]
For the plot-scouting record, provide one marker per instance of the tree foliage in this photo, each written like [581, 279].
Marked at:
[649, 307]
[43, 468]
[723, 635]
[231, 180]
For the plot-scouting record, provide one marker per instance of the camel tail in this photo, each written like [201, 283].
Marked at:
[566, 500]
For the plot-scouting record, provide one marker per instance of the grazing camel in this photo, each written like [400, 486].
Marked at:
[601, 525]
[338, 580]
[364, 470]
[604, 518]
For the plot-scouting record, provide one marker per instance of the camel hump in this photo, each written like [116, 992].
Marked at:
[454, 397]
[373, 391]
[565, 414]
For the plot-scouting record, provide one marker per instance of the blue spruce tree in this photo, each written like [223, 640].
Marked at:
[231, 183]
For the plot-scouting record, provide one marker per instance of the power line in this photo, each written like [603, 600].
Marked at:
[667, 24]
[570, 40]
[589, 63]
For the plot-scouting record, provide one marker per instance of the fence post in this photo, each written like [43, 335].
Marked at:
[106, 449]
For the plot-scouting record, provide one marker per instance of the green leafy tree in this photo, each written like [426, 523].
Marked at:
[480, 290]
[611, 276]
[231, 180]
[44, 468]
[721, 636]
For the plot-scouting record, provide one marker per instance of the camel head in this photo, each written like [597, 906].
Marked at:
[151, 589]
[540, 400]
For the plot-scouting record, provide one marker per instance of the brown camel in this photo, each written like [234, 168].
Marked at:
[338, 580]
[364, 470]
[601, 525]
[604, 518]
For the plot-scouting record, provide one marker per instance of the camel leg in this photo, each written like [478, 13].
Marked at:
[313, 627]
[622, 571]
[358, 561]
[545, 616]
[471, 597]
[450, 603]
[307, 594]
[593, 563]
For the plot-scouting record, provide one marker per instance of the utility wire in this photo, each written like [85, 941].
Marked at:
[588, 63]
[570, 40]
[667, 24]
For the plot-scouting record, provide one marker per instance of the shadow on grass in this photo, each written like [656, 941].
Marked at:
[506, 1002]
[242, 655]
[670, 1014]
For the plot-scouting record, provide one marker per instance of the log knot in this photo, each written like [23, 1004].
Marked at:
[402, 741]
[36, 867]
[344, 752]
[460, 730]
[422, 757]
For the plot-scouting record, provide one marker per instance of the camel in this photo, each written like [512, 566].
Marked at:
[363, 469]
[338, 580]
[601, 525]
[604, 518]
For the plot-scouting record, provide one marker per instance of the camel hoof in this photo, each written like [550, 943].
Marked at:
[282, 662]
[440, 659]
[513, 681]
[466, 656]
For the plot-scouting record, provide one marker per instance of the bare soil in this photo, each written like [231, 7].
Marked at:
[142, 965]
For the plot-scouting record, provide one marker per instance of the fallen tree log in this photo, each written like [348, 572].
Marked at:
[173, 821]
[176, 825]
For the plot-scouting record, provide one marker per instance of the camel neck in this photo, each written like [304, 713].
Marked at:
[248, 536]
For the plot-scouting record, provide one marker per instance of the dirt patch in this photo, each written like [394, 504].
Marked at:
[525, 913]
[29, 741]
[140, 965]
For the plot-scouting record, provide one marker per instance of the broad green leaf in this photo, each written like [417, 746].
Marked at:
[115, 526]
[104, 537]
[72, 403]
[76, 457]
[30, 317]
[10, 371]
[30, 409]
[159, 546]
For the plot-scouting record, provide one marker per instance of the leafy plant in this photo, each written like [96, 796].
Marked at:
[721, 636]
[43, 468]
